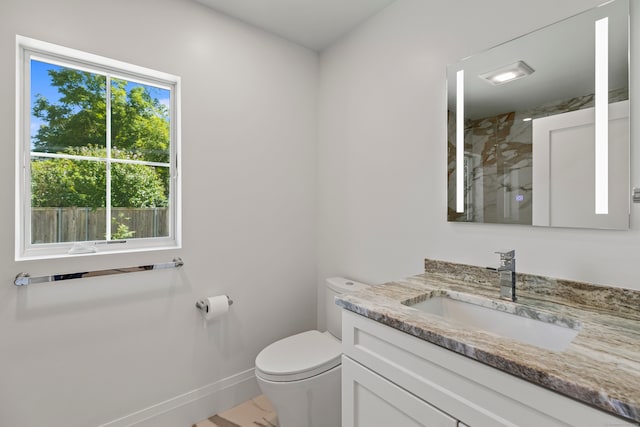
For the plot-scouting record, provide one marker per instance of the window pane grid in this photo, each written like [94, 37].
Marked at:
[98, 159]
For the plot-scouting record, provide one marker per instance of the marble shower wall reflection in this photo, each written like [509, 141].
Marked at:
[498, 161]
[497, 172]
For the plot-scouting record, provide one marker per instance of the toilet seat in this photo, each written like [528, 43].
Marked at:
[299, 357]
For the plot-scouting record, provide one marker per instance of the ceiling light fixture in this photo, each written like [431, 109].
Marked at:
[508, 73]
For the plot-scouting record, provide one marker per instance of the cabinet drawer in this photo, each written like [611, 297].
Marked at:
[475, 394]
[370, 400]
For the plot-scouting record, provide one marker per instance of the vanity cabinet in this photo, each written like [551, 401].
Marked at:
[374, 401]
[393, 378]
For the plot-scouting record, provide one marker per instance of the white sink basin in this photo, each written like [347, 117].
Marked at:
[506, 319]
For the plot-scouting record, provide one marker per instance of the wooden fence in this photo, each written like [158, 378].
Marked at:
[53, 225]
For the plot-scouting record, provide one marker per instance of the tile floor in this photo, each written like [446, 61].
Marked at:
[256, 412]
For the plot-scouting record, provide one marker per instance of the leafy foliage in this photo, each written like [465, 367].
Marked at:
[139, 123]
[121, 229]
[79, 119]
[66, 182]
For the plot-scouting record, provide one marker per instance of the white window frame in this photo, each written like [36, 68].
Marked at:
[27, 49]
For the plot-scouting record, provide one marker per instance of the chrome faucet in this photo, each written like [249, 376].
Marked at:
[507, 274]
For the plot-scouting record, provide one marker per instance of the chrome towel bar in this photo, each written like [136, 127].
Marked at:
[25, 279]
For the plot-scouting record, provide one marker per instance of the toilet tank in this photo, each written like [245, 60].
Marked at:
[336, 286]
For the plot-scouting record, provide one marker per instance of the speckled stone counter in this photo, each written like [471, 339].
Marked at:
[600, 367]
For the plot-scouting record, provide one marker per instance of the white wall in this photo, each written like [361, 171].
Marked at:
[87, 352]
[382, 152]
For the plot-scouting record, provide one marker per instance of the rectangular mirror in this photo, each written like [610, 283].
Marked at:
[538, 127]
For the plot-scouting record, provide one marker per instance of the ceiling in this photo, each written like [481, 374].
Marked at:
[315, 24]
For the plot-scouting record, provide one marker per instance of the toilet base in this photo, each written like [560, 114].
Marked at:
[311, 402]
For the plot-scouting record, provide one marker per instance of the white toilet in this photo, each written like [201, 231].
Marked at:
[301, 374]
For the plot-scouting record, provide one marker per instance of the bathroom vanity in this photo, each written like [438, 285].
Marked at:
[407, 363]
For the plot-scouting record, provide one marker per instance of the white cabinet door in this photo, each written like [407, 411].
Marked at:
[369, 400]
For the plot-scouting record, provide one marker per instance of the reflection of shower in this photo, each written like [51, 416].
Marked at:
[511, 195]
[514, 190]
[473, 183]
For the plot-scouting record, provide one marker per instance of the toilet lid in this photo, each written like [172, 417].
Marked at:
[299, 356]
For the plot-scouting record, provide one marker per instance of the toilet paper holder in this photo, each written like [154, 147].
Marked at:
[202, 304]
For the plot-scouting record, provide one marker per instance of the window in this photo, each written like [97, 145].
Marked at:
[97, 154]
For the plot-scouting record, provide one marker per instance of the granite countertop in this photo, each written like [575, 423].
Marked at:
[600, 367]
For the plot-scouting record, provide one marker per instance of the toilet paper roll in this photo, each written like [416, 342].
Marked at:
[215, 307]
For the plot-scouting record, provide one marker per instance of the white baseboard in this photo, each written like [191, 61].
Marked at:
[193, 406]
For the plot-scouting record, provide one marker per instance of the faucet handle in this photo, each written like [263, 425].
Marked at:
[507, 255]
